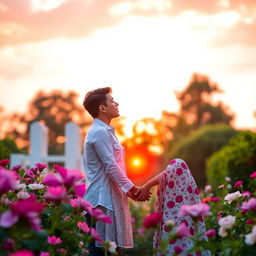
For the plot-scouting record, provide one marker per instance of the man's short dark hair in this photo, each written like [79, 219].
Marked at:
[93, 99]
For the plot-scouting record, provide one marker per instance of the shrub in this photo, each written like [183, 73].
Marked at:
[236, 160]
[197, 147]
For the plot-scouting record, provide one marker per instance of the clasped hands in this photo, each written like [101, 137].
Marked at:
[140, 194]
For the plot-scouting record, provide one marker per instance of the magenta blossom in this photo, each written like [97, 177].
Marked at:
[8, 180]
[28, 209]
[249, 205]
[195, 210]
[210, 233]
[70, 177]
[83, 226]
[81, 203]
[80, 189]
[22, 253]
[183, 231]
[8, 219]
[99, 215]
[253, 175]
[246, 194]
[54, 240]
[238, 184]
[4, 162]
[96, 236]
[52, 180]
[44, 254]
[17, 167]
[178, 249]
[152, 220]
[41, 166]
[55, 193]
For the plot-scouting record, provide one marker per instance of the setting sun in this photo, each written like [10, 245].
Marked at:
[137, 165]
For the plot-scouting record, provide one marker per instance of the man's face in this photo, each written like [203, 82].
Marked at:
[111, 108]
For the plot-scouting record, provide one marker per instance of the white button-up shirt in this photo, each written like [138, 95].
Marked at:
[103, 160]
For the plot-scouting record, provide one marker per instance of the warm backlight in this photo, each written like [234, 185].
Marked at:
[137, 165]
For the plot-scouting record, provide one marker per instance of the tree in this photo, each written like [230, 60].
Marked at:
[197, 108]
[54, 109]
[197, 147]
[196, 104]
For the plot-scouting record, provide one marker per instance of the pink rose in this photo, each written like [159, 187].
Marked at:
[7, 180]
[4, 162]
[83, 226]
[22, 253]
[210, 233]
[238, 184]
[249, 205]
[152, 220]
[96, 236]
[195, 210]
[55, 193]
[253, 175]
[54, 240]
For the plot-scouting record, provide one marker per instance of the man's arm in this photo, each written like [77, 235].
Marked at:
[104, 149]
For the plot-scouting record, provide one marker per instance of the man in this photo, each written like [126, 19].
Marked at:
[109, 185]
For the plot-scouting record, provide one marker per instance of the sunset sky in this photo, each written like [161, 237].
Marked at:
[144, 49]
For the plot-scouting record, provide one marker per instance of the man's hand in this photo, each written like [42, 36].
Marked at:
[144, 194]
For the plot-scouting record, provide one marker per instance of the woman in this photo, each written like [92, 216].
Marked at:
[176, 187]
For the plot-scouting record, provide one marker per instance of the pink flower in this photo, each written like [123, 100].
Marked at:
[210, 233]
[8, 219]
[70, 177]
[55, 193]
[83, 226]
[246, 193]
[17, 167]
[80, 189]
[96, 236]
[41, 166]
[30, 173]
[221, 186]
[238, 184]
[44, 254]
[195, 210]
[29, 209]
[215, 199]
[249, 221]
[99, 215]
[7, 180]
[183, 231]
[249, 205]
[178, 249]
[152, 220]
[22, 253]
[52, 180]
[4, 162]
[81, 203]
[54, 240]
[253, 175]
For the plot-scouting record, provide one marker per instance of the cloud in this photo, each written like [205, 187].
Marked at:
[29, 21]
[20, 23]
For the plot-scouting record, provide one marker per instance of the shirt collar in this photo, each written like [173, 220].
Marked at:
[98, 121]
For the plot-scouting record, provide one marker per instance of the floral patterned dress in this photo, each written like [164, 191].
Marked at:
[176, 188]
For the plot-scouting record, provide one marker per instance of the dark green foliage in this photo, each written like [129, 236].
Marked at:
[197, 147]
[236, 160]
[8, 146]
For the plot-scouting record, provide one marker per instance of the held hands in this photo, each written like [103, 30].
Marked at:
[140, 193]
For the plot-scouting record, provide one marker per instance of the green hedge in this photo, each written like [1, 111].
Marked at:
[198, 146]
[236, 160]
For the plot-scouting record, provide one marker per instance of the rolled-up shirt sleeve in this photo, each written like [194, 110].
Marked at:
[104, 149]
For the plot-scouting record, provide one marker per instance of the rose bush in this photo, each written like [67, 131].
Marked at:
[42, 212]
